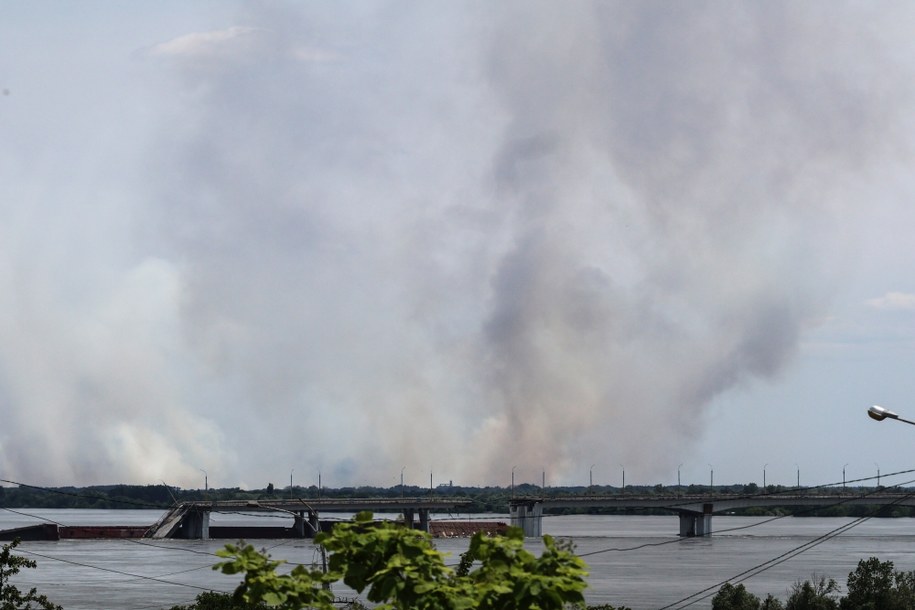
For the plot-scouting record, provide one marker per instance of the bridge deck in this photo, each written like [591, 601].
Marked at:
[697, 503]
[191, 519]
[335, 504]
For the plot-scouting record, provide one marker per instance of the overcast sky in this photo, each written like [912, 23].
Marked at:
[270, 239]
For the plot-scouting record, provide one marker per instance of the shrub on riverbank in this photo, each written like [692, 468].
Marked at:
[874, 585]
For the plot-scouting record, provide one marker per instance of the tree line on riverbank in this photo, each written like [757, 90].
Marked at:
[873, 585]
[483, 499]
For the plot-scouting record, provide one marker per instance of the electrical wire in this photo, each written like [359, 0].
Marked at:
[760, 568]
[88, 496]
[811, 509]
[113, 571]
[49, 520]
[683, 603]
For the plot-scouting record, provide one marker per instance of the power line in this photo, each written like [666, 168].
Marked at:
[88, 495]
[120, 572]
[33, 516]
[760, 568]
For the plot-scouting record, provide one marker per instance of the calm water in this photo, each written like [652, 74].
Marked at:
[139, 574]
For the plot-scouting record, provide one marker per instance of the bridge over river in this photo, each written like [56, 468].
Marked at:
[695, 511]
[192, 519]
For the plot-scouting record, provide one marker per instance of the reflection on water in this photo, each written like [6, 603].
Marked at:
[633, 560]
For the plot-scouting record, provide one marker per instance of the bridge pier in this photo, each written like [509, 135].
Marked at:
[299, 525]
[195, 525]
[693, 524]
[529, 517]
[409, 515]
[306, 528]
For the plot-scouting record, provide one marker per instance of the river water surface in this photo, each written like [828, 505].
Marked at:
[636, 561]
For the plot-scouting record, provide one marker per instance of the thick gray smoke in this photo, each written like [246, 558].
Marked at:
[457, 239]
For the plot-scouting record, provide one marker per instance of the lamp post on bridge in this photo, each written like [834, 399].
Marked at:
[679, 490]
[798, 475]
[206, 482]
[764, 475]
[879, 413]
[513, 482]
[623, 488]
[401, 481]
[711, 476]
[843, 475]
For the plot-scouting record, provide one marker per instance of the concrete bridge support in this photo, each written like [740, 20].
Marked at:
[409, 516]
[299, 527]
[529, 517]
[306, 528]
[694, 524]
[195, 525]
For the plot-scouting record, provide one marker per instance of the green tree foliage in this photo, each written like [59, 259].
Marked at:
[211, 600]
[735, 597]
[398, 568]
[11, 598]
[817, 595]
[771, 603]
[302, 587]
[874, 585]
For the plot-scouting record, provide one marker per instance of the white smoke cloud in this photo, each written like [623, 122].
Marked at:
[894, 301]
[220, 44]
[458, 240]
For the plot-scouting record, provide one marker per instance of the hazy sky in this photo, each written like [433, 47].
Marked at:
[269, 239]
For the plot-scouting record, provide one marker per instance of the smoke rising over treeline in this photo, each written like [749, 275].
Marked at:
[458, 238]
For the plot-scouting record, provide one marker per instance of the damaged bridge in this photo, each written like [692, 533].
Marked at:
[694, 511]
[191, 520]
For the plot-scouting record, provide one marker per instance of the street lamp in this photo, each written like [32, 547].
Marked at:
[711, 476]
[591, 477]
[878, 473]
[879, 413]
[764, 475]
[843, 475]
[798, 474]
[513, 480]
[678, 474]
[623, 488]
[401, 481]
[206, 483]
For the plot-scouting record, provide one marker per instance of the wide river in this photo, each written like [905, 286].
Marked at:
[634, 561]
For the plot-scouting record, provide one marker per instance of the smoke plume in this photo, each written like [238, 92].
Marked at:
[450, 238]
